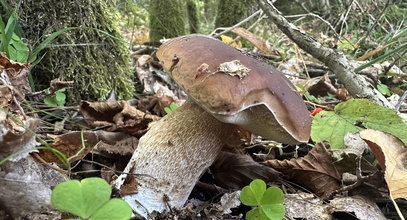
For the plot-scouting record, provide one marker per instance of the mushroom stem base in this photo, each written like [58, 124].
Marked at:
[175, 152]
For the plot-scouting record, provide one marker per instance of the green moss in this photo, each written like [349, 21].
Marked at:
[166, 19]
[96, 62]
[193, 20]
[231, 12]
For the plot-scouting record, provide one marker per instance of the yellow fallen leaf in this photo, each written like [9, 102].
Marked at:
[392, 156]
[230, 41]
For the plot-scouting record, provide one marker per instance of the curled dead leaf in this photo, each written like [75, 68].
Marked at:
[70, 145]
[15, 74]
[118, 115]
[15, 137]
[253, 39]
[391, 154]
[315, 171]
[115, 143]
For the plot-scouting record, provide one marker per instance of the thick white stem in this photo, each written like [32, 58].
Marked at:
[175, 151]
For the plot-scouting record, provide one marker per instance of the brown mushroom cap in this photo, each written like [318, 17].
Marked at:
[264, 101]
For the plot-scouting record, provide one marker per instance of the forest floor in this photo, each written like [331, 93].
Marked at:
[319, 182]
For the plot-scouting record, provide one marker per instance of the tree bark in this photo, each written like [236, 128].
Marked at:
[230, 12]
[166, 19]
[98, 63]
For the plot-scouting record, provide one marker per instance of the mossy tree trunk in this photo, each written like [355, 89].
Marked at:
[210, 9]
[167, 19]
[193, 19]
[231, 12]
[97, 62]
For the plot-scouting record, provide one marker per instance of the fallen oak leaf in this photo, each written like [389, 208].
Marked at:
[70, 144]
[315, 171]
[119, 115]
[391, 154]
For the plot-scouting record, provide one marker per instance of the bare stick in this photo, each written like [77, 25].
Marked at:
[234, 26]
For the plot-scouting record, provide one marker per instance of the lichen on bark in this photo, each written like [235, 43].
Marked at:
[97, 62]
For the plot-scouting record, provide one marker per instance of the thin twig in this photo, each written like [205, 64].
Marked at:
[226, 30]
[375, 23]
[323, 20]
[343, 21]
[401, 100]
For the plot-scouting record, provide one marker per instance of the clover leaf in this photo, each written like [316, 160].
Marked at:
[89, 199]
[269, 201]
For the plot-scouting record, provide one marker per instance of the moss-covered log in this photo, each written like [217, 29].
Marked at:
[167, 19]
[96, 61]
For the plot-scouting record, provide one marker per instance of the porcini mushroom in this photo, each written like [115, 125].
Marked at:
[225, 87]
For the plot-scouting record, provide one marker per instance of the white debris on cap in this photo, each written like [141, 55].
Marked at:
[234, 68]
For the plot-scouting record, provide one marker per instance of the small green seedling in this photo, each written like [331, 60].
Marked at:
[89, 199]
[170, 109]
[268, 202]
[383, 89]
[306, 94]
[57, 99]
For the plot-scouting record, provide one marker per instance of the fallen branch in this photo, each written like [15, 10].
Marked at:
[341, 66]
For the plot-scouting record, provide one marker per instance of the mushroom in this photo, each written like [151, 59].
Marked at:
[225, 89]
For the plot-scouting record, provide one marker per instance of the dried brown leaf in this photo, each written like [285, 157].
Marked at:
[315, 171]
[253, 39]
[13, 83]
[15, 137]
[124, 147]
[234, 171]
[320, 86]
[70, 145]
[373, 52]
[129, 186]
[306, 206]
[119, 115]
[392, 156]
[17, 75]
[57, 84]
[6, 97]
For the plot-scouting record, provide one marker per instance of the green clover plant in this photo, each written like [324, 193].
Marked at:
[170, 109]
[89, 199]
[57, 99]
[268, 202]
